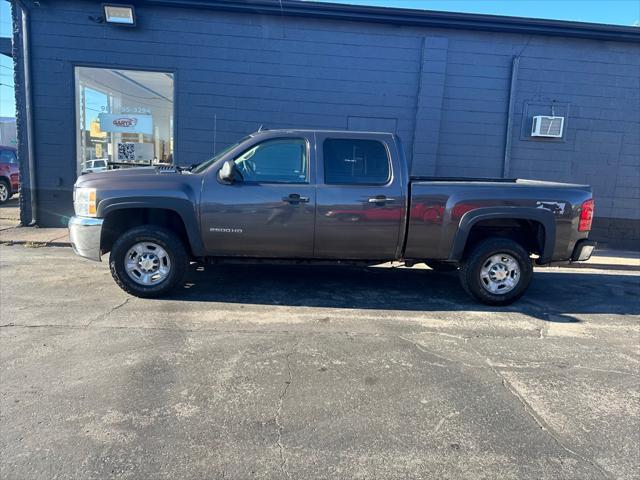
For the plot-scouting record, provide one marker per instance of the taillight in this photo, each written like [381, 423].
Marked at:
[586, 216]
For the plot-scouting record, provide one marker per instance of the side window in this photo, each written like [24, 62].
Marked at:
[352, 161]
[282, 160]
[7, 156]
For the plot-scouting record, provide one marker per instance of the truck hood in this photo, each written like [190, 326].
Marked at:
[125, 175]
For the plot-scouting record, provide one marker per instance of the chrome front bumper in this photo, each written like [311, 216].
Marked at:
[85, 235]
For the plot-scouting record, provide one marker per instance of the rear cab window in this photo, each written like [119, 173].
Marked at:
[349, 161]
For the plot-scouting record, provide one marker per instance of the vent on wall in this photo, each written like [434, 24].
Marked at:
[545, 126]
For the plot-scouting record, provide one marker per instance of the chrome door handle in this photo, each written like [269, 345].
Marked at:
[381, 199]
[294, 199]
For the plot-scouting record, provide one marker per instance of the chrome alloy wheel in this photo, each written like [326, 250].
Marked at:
[500, 274]
[147, 263]
[4, 192]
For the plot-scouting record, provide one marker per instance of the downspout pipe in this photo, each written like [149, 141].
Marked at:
[506, 164]
[28, 107]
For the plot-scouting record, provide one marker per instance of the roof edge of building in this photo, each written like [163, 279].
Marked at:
[411, 17]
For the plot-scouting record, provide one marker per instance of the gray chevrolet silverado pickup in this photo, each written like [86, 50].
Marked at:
[326, 196]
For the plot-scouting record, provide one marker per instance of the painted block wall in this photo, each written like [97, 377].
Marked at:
[444, 91]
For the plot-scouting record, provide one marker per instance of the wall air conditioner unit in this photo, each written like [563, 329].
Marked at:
[545, 126]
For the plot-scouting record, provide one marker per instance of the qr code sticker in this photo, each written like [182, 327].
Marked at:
[126, 151]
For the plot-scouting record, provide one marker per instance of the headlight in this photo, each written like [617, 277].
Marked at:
[84, 202]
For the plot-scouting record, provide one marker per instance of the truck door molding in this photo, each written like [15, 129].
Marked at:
[469, 219]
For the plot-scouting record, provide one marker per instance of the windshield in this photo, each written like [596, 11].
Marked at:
[204, 165]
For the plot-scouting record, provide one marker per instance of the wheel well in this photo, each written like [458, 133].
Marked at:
[119, 221]
[530, 234]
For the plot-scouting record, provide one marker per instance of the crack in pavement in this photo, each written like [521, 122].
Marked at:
[444, 419]
[429, 352]
[279, 426]
[109, 312]
[529, 410]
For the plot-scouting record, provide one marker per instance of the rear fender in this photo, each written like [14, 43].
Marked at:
[469, 219]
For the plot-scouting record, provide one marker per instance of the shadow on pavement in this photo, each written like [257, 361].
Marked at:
[13, 202]
[553, 295]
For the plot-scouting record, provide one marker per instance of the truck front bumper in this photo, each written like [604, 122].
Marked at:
[85, 236]
[583, 250]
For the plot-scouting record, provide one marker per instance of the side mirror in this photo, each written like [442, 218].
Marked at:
[228, 173]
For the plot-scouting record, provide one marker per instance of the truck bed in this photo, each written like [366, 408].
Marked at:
[438, 208]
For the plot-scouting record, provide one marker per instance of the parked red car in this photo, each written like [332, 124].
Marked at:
[9, 173]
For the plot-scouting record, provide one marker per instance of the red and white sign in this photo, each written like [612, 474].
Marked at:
[126, 123]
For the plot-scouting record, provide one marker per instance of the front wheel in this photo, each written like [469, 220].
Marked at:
[5, 191]
[497, 272]
[148, 261]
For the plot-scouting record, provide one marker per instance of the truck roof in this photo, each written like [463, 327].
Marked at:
[309, 130]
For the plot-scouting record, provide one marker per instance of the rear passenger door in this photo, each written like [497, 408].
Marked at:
[360, 198]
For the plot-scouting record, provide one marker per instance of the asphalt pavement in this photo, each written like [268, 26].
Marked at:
[314, 372]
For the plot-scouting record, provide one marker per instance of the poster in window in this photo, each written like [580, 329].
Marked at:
[135, 152]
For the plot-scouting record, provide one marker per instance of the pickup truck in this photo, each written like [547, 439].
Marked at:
[326, 196]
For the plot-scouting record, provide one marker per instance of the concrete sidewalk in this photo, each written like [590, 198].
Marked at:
[59, 237]
[50, 237]
[611, 260]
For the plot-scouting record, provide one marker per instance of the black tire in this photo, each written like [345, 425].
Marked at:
[166, 239]
[440, 266]
[470, 271]
[6, 185]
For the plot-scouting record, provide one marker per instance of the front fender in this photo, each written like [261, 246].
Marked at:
[185, 208]
[469, 219]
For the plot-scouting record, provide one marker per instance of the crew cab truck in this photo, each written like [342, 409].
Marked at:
[326, 196]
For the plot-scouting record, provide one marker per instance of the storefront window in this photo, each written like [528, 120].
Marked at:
[124, 118]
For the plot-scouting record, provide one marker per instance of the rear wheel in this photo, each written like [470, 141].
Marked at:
[148, 261]
[497, 271]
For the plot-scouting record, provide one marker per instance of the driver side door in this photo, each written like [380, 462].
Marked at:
[270, 212]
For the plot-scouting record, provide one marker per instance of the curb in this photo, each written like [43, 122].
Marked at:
[36, 244]
[577, 265]
[602, 266]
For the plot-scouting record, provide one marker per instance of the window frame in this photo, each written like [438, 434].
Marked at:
[307, 180]
[389, 179]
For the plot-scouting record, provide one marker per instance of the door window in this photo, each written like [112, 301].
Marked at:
[282, 160]
[352, 161]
